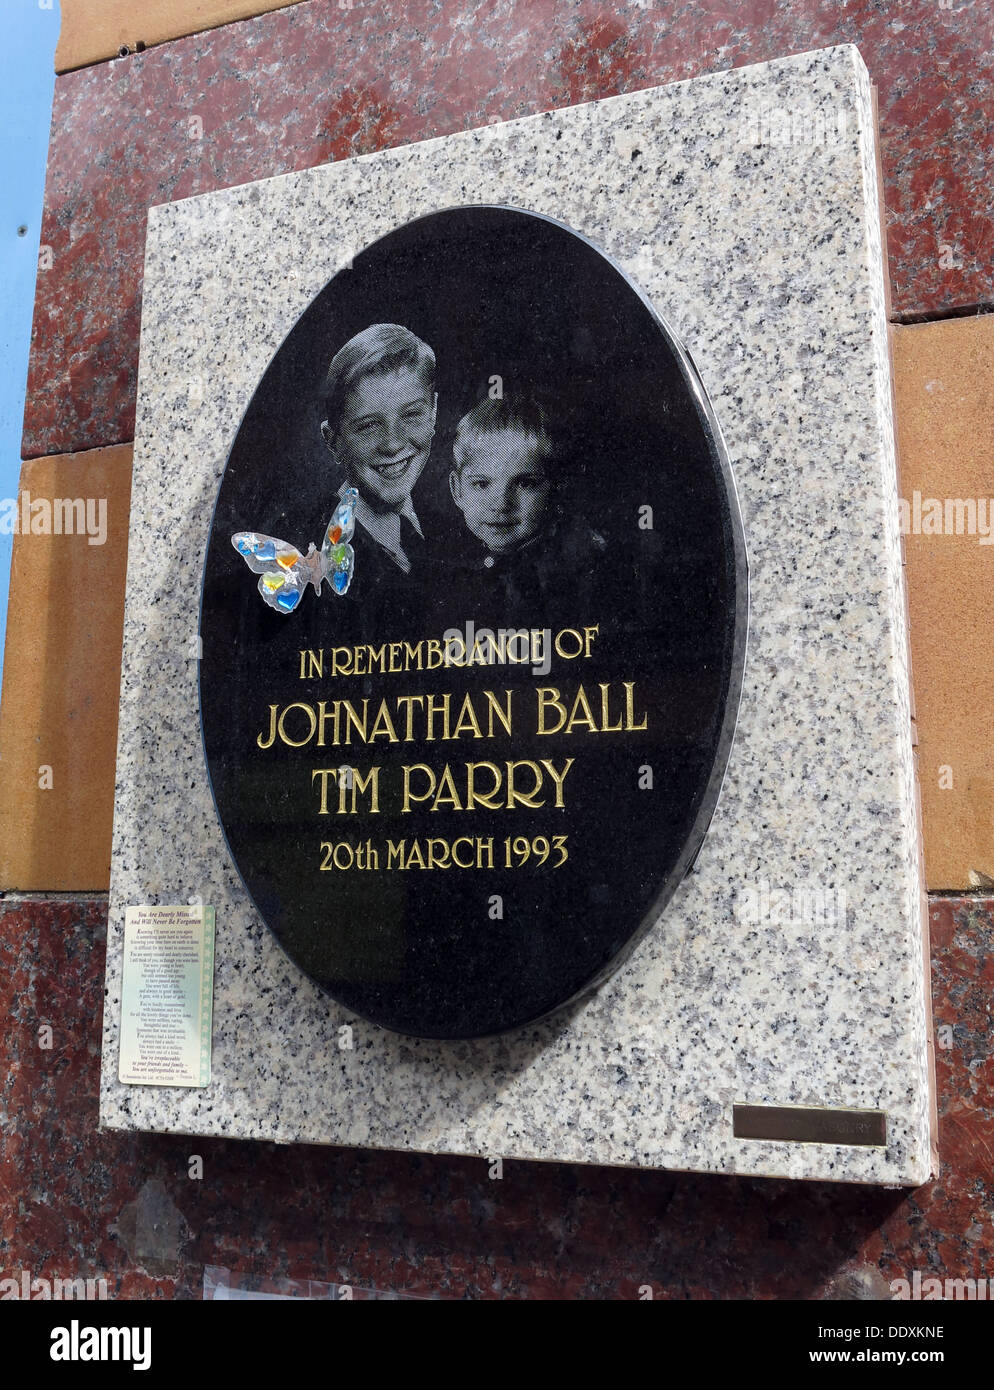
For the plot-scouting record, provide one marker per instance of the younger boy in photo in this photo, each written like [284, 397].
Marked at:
[526, 553]
[500, 481]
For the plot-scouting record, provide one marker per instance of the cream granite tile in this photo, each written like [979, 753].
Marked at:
[764, 254]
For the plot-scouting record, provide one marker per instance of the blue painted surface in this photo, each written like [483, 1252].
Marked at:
[27, 82]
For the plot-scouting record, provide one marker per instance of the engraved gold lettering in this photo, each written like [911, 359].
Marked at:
[341, 661]
[515, 797]
[409, 701]
[324, 773]
[463, 840]
[383, 725]
[447, 794]
[409, 795]
[467, 720]
[571, 632]
[272, 728]
[323, 717]
[354, 722]
[439, 854]
[558, 777]
[494, 711]
[371, 782]
[549, 695]
[606, 726]
[437, 705]
[312, 721]
[474, 797]
[630, 708]
[581, 713]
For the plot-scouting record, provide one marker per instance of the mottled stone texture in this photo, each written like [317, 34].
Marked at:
[819, 1011]
[319, 82]
[122, 1206]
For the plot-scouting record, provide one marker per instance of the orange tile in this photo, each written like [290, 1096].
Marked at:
[93, 30]
[62, 674]
[944, 391]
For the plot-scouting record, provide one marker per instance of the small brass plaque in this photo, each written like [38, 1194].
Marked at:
[809, 1124]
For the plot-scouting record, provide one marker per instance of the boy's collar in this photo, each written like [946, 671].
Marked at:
[478, 556]
[384, 527]
[365, 513]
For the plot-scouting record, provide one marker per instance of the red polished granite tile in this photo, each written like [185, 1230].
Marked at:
[123, 1207]
[301, 86]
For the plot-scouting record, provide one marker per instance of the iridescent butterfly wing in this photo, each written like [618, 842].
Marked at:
[283, 572]
[338, 555]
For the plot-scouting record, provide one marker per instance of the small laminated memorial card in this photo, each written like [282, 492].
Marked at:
[167, 996]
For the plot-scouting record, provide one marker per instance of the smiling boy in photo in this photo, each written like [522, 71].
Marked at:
[380, 406]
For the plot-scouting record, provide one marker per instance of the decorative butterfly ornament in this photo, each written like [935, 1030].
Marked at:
[285, 573]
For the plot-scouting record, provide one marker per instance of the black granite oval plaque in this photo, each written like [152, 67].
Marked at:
[465, 748]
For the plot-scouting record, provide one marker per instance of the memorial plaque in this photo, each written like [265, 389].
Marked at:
[465, 748]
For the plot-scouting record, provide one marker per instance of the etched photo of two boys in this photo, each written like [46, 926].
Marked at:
[509, 543]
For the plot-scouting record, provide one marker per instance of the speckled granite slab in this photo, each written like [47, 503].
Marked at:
[746, 205]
